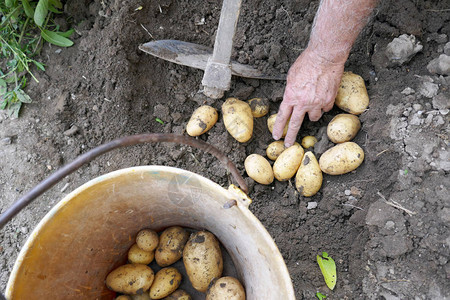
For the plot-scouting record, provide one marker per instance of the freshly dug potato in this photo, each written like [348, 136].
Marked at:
[341, 159]
[308, 141]
[166, 281]
[271, 122]
[309, 176]
[259, 106]
[275, 149]
[259, 169]
[352, 95]
[202, 259]
[343, 128]
[147, 239]
[226, 288]
[143, 296]
[138, 256]
[202, 120]
[179, 295]
[238, 119]
[130, 279]
[171, 244]
[124, 297]
[288, 162]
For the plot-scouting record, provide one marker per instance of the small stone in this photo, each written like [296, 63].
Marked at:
[444, 112]
[311, 205]
[58, 51]
[95, 108]
[408, 91]
[402, 49]
[71, 131]
[428, 120]
[6, 141]
[438, 38]
[447, 49]
[441, 101]
[417, 107]
[416, 120]
[440, 65]
[24, 230]
[439, 121]
[347, 192]
[428, 89]
[389, 225]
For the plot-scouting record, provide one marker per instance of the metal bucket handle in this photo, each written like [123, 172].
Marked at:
[118, 143]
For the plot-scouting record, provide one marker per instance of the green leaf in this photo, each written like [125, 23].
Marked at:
[29, 11]
[14, 108]
[56, 4]
[159, 121]
[55, 38]
[23, 97]
[67, 33]
[3, 87]
[9, 3]
[39, 65]
[41, 12]
[328, 269]
[320, 295]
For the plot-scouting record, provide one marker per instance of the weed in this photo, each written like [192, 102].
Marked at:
[23, 27]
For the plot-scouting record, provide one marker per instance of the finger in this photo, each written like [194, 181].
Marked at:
[283, 115]
[328, 106]
[294, 127]
[315, 114]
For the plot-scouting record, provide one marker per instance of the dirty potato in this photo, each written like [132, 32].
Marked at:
[288, 162]
[275, 149]
[343, 128]
[352, 95]
[308, 141]
[143, 296]
[341, 159]
[226, 288]
[238, 119]
[202, 120]
[271, 122]
[179, 295]
[130, 279]
[309, 176]
[202, 259]
[138, 256]
[259, 106]
[166, 281]
[259, 169]
[147, 239]
[123, 297]
[171, 243]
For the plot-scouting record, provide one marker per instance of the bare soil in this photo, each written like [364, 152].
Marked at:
[103, 88]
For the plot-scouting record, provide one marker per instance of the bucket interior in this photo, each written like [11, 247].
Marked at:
[88, 234]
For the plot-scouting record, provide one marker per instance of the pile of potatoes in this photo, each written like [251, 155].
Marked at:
[344, 157]
[202, 259]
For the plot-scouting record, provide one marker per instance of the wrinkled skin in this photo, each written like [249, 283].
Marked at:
[311, 88]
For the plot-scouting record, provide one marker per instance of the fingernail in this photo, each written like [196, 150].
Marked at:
[287, 145]
[276, 137]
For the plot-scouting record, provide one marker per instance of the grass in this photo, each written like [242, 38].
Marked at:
[25, 25]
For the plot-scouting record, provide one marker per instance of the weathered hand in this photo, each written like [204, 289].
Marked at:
[312, 84]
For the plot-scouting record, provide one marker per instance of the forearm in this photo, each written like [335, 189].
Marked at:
[336, 27]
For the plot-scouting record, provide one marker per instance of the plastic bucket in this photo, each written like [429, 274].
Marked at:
[88, 233]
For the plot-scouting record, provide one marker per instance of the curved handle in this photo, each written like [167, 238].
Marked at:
[118, 143]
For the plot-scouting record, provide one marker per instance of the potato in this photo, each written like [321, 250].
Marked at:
[147, 239]
[259, 169]
[226, 288]
[202, 119]
[124, 297]
[343, 128]
[178, 295]
[166, 281]
[259, 107]
[143, 296]
[202, 259]
[171, 244]
[130, 279]
[288, 162]
[138, 256]
[309, 176]
[352, 95]
[308, 141]
[271, 122]
[341, 159]
[275, 149]
[238, 119]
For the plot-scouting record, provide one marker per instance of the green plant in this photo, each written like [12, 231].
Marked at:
[23, 27]
[328, 269]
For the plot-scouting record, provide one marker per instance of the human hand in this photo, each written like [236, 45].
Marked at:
[312, 84]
